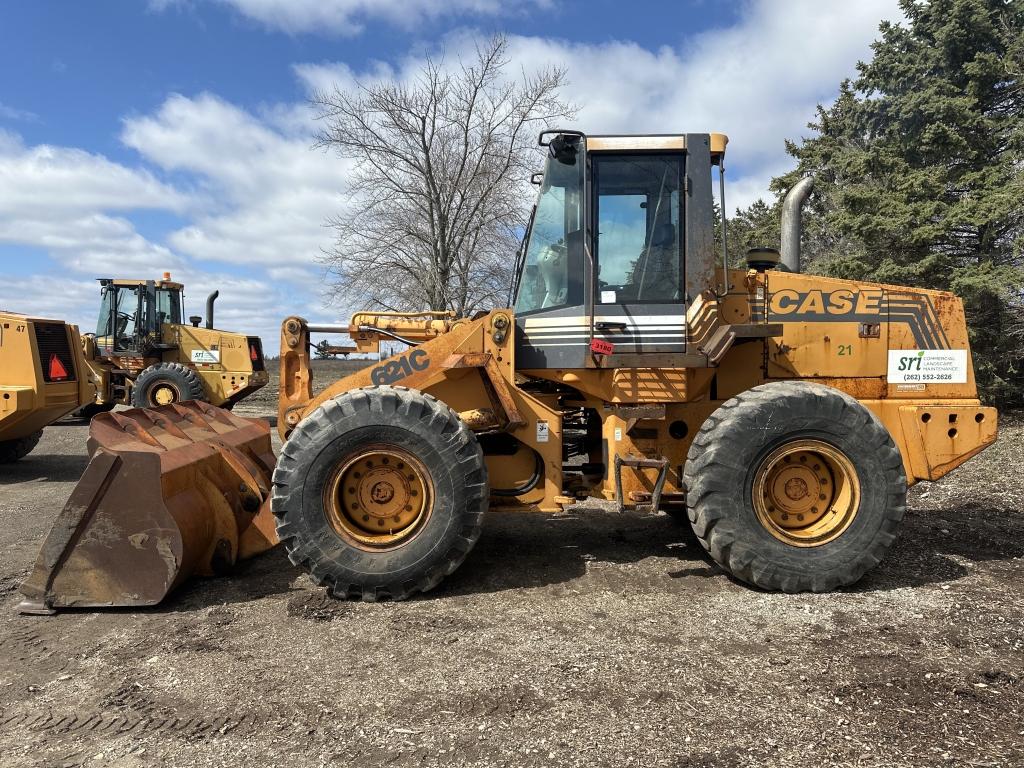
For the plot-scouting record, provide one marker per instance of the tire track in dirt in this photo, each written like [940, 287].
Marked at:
[91, 724]
[24, 640]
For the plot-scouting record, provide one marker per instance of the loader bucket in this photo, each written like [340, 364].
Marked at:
[169, 492]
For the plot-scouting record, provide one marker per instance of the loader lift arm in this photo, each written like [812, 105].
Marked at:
[440, 346]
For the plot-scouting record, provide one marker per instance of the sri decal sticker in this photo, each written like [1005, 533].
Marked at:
[927, 366]
[206, 356]
[399, 368]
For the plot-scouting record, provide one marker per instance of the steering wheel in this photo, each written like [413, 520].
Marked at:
[123, 318]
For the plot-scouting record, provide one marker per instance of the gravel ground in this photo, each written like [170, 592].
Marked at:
[587, 638]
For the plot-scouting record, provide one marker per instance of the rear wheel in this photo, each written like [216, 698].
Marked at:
[12, 450]
[795, 486]
[166, 383]
[380, 493]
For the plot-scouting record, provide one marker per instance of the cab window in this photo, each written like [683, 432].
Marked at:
[639, 242]
[554, 248]
[103, 327]
[121, 322]
[168, 306]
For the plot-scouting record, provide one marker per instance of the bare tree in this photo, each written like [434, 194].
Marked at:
[437, 198]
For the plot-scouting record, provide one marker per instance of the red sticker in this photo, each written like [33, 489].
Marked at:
[601, 347]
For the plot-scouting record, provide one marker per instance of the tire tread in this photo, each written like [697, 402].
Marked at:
[389, 404]
[709, 477]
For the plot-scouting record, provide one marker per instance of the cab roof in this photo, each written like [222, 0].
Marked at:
[133, 283]
[628, 142]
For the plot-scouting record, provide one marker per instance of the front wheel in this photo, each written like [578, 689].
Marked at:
[380, 493]
[796, 487]
[166, 383]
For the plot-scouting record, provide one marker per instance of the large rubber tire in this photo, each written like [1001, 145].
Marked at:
[741, 435]
[92, 409]
[432, 434]
[12, 450]
[182, 380]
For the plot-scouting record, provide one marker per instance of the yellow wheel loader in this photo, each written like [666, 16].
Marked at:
[142, 353]
[42, 377]
[785, 413]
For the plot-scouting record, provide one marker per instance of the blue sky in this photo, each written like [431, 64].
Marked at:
[138, 137]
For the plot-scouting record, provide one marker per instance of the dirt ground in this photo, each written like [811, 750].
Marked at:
[588, 638]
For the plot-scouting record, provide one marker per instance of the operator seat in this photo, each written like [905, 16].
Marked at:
[656, 272]
[551, 263]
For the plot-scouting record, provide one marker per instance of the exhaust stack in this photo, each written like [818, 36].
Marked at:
[792, 205]
[209, 308]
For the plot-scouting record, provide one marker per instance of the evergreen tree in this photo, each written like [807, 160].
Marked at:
[919, 172]
[753, 227]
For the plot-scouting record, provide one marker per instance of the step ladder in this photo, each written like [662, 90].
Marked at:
[659, 463]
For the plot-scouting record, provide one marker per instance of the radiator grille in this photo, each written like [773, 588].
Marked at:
[55, 352]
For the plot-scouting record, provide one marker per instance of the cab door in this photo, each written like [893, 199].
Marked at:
[639, 297]
[121, 313]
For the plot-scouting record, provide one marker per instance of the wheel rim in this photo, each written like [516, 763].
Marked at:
[806, 493]
[163, 393]
[378, 498]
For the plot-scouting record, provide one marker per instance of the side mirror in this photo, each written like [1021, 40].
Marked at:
[563, 149]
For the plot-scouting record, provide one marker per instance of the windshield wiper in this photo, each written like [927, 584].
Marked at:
[521, 258]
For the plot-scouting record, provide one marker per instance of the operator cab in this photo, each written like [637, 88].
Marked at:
[620, 241]
[133, 312]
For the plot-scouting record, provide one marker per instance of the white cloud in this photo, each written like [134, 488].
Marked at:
[63, 201]
[35, 295]
[92, 244]
[257, 201]
[348, 17]
[8, 112]
[53, 181]
[275, 191]
[758, 81]
[60, 199]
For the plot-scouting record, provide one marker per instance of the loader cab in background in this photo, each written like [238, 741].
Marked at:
[133, 313]
[620, 242]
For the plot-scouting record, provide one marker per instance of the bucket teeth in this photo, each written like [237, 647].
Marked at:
[169, 492]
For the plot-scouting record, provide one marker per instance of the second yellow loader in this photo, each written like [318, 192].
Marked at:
[143, 354]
